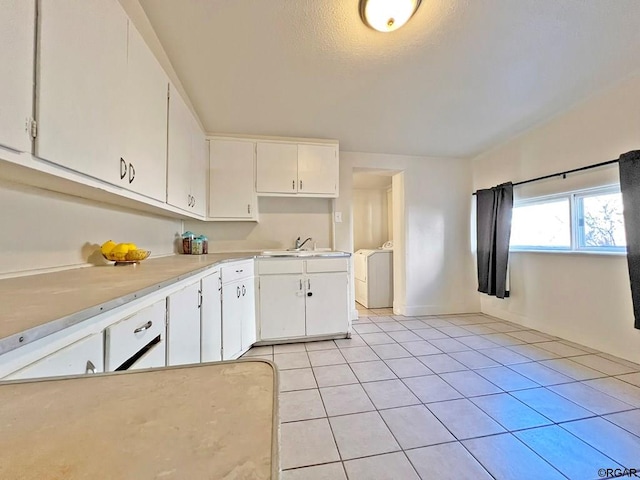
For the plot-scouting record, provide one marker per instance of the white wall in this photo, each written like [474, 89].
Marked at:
[46, 230]
[370, 218]
[581, 297]
[432, 255]
[282, 220]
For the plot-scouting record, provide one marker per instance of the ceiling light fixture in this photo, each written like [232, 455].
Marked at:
[387, 15]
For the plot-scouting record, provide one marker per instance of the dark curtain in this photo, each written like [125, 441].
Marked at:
[493, 207]
[630, 186]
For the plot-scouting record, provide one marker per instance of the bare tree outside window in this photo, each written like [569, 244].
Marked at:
[602, 222]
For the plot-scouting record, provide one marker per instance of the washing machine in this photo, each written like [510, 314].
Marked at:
[373, 271]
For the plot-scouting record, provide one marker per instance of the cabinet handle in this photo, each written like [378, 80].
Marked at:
[308, 284]
[123, 168]
[248, 208]
[194, 202]
[300, 184]
[132, 173]
[300, 284]
[90, 368]
[199, 298]
[238, 291]
[188, 200]
[244, 290]
[240, 271]
[144, 327]
[293, 184]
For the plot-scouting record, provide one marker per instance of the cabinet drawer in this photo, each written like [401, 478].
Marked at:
[328, 265]
[127, 337]
[273, 267]
[236, 271]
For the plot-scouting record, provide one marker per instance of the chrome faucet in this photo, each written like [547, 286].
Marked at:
[300, 245]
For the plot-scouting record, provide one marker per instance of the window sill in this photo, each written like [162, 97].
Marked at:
[569, 252]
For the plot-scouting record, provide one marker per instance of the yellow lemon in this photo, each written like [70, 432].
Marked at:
[107, 247]
[119, 252]
[132, 246]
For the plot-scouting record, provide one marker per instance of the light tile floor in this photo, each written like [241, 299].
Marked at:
[453, 397]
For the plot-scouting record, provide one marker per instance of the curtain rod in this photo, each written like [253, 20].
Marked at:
[565, 173]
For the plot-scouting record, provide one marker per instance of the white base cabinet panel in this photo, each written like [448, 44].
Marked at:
[231, 320]
[238, 309]
[82, 357]
[183, 326]
[327, 303]
[211, 319]
[282, 306]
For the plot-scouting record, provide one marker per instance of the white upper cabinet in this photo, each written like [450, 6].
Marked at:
[232, 193]
[144, 163]
[276, 168]
[302, 169]
[17, 24]
[318, 169]
[199, 164]
[82, 85]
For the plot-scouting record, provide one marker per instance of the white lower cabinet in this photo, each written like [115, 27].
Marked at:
[183, 326]
[299, 298]
[211, 319]
[82, 357]
[238, 309]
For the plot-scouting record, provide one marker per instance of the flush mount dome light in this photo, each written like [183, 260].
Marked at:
[387, 15]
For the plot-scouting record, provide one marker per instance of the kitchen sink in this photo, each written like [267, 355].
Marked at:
[298, 253]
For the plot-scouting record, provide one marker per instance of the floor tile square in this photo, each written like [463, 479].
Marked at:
[617, 388]
[382, 319]
[359, 354]
[473, 359]
[540, 374]
[297, 379]
[414, 324]
[442, 363]
[334, 375]
[367, 328]
[326, 357]
[529, 336]
[307, 443]
[479, 329]
[345, 399]
[408, 367]
[616, 443]
[575, 459]
[438, 322]
[329, 471]
[506, 379]
[523, 463]
[301, 405]
[431, 389]
[285, 361]
[561, 349]
[362, 435]
[632, 378]
[505, 356]
[448, 461]
[449, 345]
[390, 394]
[372, 371]
[630, 421]
[477, 342]
[533, 352]
[503, 339]
[391, 466]
[590, 398]
[354, 341]
[454, 331]
[264, 350]
[379, 338]
[404, 336]
[416, 426]
[464, 419]
[289, 348]
[421, 347]
[430, 334]
[321, 345]
[391, 327]
[469, 383]
[571, 369]
[509, 412]
[503, 327]
[602, 364]
[390, 351]
[552, 405]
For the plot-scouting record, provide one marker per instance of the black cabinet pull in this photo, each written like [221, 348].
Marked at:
[123, 168]
[309, 294]
[132, 173]
[238, 291]
[244, 290]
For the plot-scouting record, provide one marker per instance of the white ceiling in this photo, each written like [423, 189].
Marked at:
[460, 77]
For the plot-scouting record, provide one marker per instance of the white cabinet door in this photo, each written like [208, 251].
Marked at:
[83, 356]
[249, 334]
[327, 307]
[199, 168]
[81, 89]
[231, 320]
[183, 331]
[179, 153]
[282, 306]
[17, 24]
[231, 179]
[318, 169]
[144, 163]
[276, 167]
[211, 319]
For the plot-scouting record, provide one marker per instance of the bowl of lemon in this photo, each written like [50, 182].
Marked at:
[123, 253]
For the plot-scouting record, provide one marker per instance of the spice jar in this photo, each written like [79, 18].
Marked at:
[196, 246]
[187, 242]
[205, 244]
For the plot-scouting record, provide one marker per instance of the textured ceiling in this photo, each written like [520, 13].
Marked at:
[460, 77]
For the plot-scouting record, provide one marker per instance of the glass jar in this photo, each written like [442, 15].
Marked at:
[196, 246]
[187, 242]
[205, 244]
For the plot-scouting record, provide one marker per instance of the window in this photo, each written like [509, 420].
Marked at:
[585, 220]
